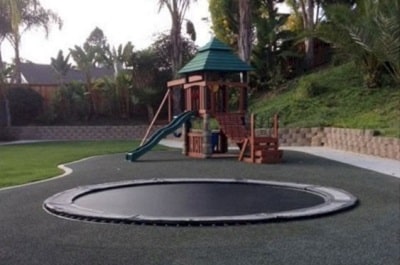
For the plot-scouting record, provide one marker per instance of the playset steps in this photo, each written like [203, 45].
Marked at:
[232, 125]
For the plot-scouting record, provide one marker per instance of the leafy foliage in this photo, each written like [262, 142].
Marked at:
[225, 20]
[25, 105]
[273, 44]
[61, 65]
[369, 34]
[19, 16]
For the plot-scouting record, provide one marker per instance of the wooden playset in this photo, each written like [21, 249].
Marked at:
[210, 82]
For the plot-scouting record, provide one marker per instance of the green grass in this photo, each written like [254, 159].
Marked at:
[333, 97]
[24, 163]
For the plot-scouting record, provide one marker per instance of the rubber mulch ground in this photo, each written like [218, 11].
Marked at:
[366, 234]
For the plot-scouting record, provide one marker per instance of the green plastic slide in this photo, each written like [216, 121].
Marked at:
[177, 122]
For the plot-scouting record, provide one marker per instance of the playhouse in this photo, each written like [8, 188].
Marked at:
[214, 85]
[210, 81]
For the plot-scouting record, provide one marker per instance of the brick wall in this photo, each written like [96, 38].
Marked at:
[354, 140]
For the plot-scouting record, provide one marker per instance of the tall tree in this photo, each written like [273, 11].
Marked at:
[261, 32]
[225, 20]
[97, 44]
[84, 60]
[21, 16]
[149, 78]
[245, 30]
[177, 9]
[5, 113]
[272, 44]
[309, 12]
[61, 65]
[95, 52]
[122, 58]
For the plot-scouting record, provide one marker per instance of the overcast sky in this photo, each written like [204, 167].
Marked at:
[121, 21]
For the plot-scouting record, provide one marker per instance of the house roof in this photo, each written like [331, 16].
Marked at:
[215, 56]
[44, 74]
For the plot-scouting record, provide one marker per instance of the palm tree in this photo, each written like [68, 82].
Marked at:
[121, 58]
[177, 10]
[245, 30]
[61, 66]
[369, 34]
[308, 10]
[85, 60]
[379, 33]
[9, 17]
[5, 114]
[20, 16]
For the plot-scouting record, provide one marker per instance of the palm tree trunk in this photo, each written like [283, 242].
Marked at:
[1, 59]
[17, 59]
[176, 59]
[245, 33]
[308, 20]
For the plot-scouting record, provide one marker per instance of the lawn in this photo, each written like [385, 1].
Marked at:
[24, 163]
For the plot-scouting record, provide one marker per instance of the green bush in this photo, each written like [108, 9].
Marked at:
[69, 103]
[307, 88]
[25, 105]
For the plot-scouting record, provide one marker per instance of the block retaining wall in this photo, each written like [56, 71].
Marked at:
[354, 140]
[78, 132]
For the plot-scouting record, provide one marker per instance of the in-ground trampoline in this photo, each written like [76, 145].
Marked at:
[197, 201]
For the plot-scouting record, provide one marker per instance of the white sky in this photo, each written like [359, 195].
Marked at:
[121, 21]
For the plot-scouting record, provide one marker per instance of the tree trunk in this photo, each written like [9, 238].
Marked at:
[17, 60]
[150, 112]
[90, 97]
[176, 43]
[308, 20]
[1, 59]
[245, 32]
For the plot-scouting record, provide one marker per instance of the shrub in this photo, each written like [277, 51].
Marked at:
[25, 105]
[307, 89]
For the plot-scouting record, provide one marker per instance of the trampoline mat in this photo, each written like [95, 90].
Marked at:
[197, 201]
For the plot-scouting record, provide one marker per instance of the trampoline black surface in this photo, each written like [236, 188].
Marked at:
[200, 199]
[367, 234]
[197, 201]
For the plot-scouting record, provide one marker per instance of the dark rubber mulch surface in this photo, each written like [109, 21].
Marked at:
[367, 234]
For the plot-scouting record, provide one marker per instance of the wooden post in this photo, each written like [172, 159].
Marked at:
[276, 126]
[252, 139]
[207, 149]
[170, 105]
[155, 116]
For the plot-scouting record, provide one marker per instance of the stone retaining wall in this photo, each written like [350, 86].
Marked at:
[354, 140]
[78, 132]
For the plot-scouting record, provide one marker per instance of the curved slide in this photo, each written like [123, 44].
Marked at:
[159, 135]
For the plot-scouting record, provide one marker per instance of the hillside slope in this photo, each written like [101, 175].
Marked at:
[332, 97]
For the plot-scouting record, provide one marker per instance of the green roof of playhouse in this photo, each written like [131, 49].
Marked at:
[215, 56]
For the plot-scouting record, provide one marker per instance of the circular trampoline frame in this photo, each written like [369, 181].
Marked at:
[62, 204]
